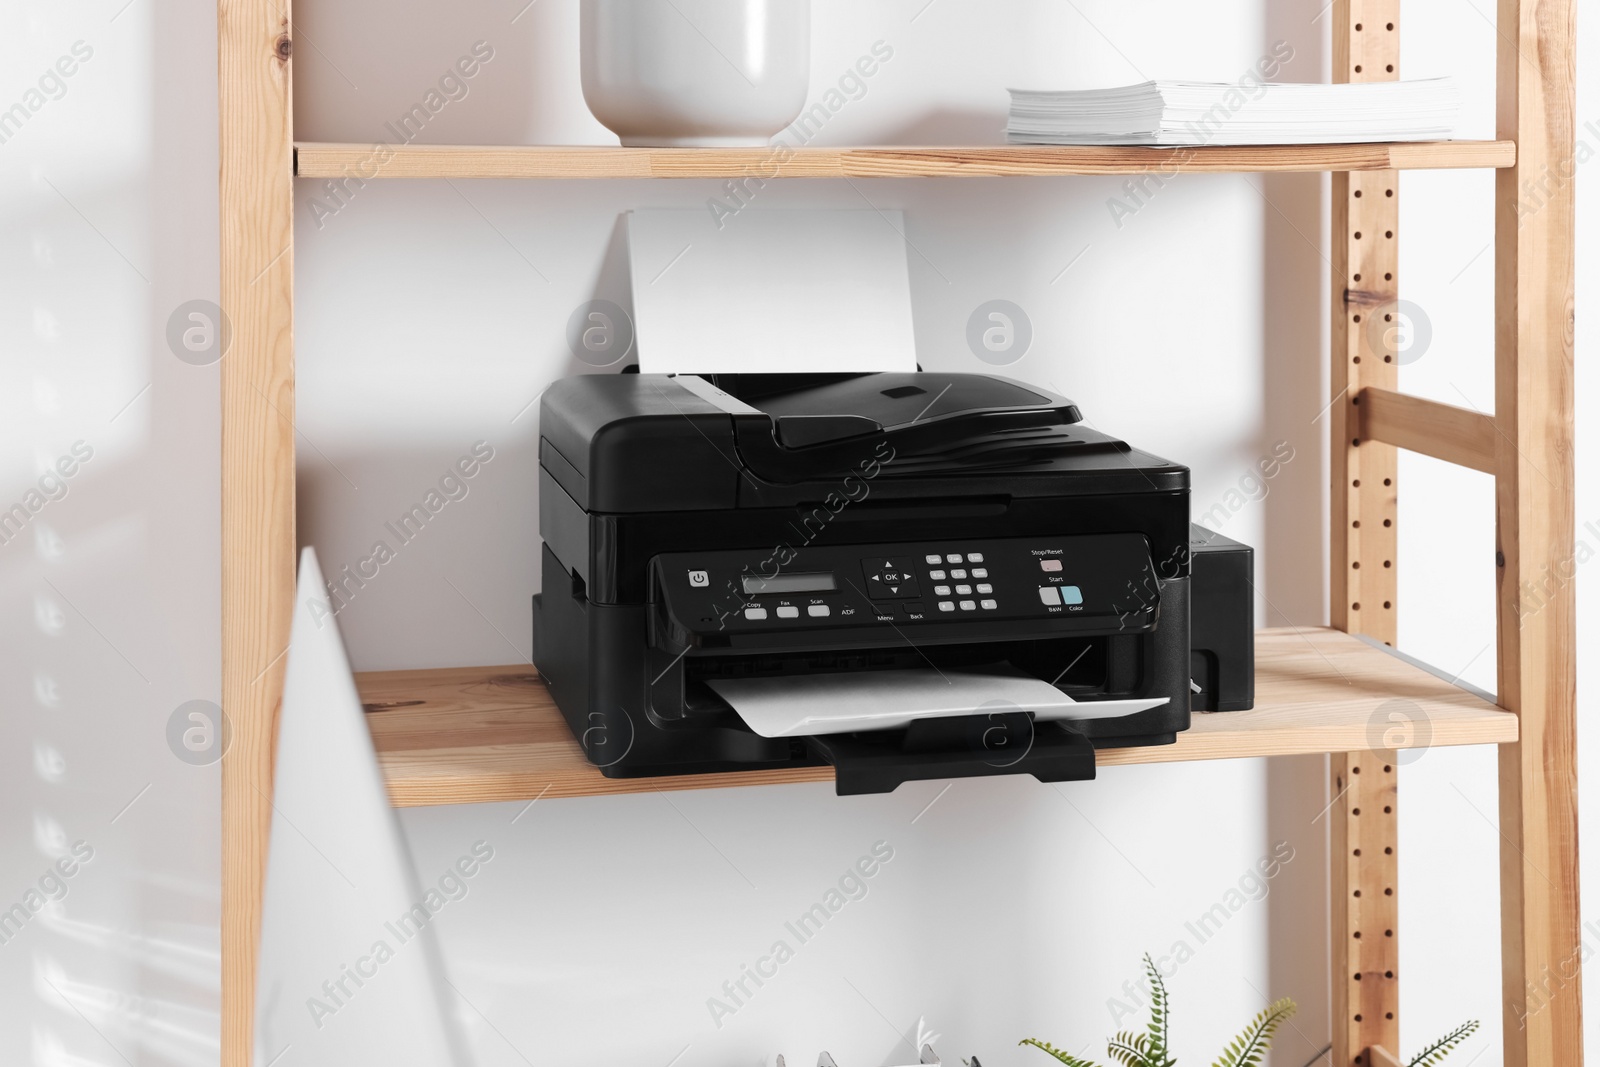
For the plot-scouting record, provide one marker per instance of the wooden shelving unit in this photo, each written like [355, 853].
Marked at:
[475, 734]
[996, 161]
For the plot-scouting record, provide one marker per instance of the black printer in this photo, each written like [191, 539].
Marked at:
[705, 531]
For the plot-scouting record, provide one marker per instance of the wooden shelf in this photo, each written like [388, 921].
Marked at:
[319, 160]
[474, 734]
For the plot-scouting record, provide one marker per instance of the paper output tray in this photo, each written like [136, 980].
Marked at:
[807, 705]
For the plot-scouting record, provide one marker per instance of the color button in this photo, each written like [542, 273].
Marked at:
[1051, 565]
[790, 612]
[1071, 594]
[1049, 594]
[817, 611]
[755, 614]
[989, 605]
[947, 605]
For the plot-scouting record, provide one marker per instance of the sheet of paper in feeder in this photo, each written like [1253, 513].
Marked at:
[770, 291]
[812, 704]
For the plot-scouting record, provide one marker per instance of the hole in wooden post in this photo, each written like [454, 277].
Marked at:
[1358, 359]
[1358, 68]
[1387, 563]
[1358, 318]
[1355, 811]
[1357, 277]
[1388, 1015]
[1358, 1018]
[1355, 442]
[1389, 68]
[1390, 27]
[1357, 485]
[1388, 277]
[1355, 852]
[1388, 933]
[1388, 851]
[1358, 935]
[1388, 359]
[1388, 974]
[1356, 607]
[1388, 892]
[1356, 565]
[1389, 234]
[1356, 525]
[1358, 232]
[1387, 810]
[1388, 318]
[1386, 481]
[1387, 768]
[1388, 522]
[1386, 604]
[1358, 27]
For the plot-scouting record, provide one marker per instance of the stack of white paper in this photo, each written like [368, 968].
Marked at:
[1207, 113]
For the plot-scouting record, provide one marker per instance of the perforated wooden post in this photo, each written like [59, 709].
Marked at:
[1363, 865]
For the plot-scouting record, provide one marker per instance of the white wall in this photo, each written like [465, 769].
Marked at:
[111, 595]
[430, 314]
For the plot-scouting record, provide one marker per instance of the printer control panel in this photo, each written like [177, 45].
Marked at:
[909, 585]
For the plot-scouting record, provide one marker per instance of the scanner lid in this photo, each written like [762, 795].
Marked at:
[807, 410]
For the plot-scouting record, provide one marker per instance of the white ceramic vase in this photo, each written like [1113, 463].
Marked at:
[696, 72]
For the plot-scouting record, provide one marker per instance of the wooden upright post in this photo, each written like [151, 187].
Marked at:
[258, 547]
[1363, 860]
[1541, 948]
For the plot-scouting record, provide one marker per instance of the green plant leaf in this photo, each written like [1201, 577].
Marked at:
[1436, 1052]
[1065, 1057]
[1156, 1050]
[1130, 1049]
[1250, 1047]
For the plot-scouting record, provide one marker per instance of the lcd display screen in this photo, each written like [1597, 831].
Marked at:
[821, 582]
